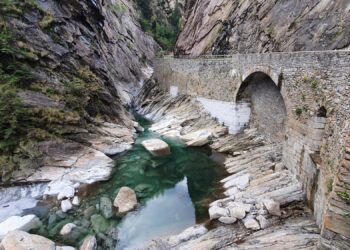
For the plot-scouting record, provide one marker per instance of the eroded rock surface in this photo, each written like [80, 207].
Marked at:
[250, 26]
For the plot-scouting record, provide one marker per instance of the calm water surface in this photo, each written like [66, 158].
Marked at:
[173, 193]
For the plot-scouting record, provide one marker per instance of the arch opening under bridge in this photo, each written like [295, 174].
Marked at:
[268, 109]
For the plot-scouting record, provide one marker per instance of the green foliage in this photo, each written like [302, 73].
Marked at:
[164, 34]
[344, 195]
[47, 20]
[119, 7]
[15, 7]
[81, 90]
[329, 185]
[313, 82]
[270, 31]
[145, 8]
[298, 111]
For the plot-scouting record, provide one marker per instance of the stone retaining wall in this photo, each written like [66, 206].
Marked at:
[316, 90]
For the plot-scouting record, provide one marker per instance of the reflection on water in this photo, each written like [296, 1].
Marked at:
[173, 192]
[162, 215]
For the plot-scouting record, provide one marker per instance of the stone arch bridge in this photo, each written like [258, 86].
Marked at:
[311, 99]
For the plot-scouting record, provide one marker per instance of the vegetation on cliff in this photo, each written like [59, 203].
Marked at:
[23, 125]
[164, 33]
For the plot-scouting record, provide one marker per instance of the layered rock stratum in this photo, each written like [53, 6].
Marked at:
[224, 26]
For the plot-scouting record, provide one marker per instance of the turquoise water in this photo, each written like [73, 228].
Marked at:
[173, 193]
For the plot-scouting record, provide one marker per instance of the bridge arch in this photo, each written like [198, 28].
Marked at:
[268, 107]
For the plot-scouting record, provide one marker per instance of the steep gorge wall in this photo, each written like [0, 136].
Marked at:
[222, 27]
[67, 67]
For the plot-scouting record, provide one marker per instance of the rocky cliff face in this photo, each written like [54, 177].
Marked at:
[224, 26]
[68, 68]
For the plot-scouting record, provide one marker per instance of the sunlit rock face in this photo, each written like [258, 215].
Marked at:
[224, 26]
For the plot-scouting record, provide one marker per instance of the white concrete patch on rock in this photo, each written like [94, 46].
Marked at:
[174, 91]
[234, 115]
[156, 147]
[126, 200]
[24, 223]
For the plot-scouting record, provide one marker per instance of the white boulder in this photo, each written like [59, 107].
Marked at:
[67, 229]
[237, 212]
[66, 192]
[262, 221]
[272, 206]
[227, 220]
[76, 201]
[217, 212]
[156, 147]
[66, 205]
[251, 224]
[126, 200]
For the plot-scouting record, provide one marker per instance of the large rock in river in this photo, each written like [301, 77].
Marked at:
[19, 240]
[126, 200]
[156, 147]
[14, 223]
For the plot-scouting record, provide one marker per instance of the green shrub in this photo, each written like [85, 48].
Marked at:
[164, 34]
[119, 7]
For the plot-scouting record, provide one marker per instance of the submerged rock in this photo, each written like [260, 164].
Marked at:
[106, 207]
[126, 200]
[19, 240]
[156, 147]
[24, 223]
[89, 243]
[99, 223]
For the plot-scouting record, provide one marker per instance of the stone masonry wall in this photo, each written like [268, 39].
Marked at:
[316, 91]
